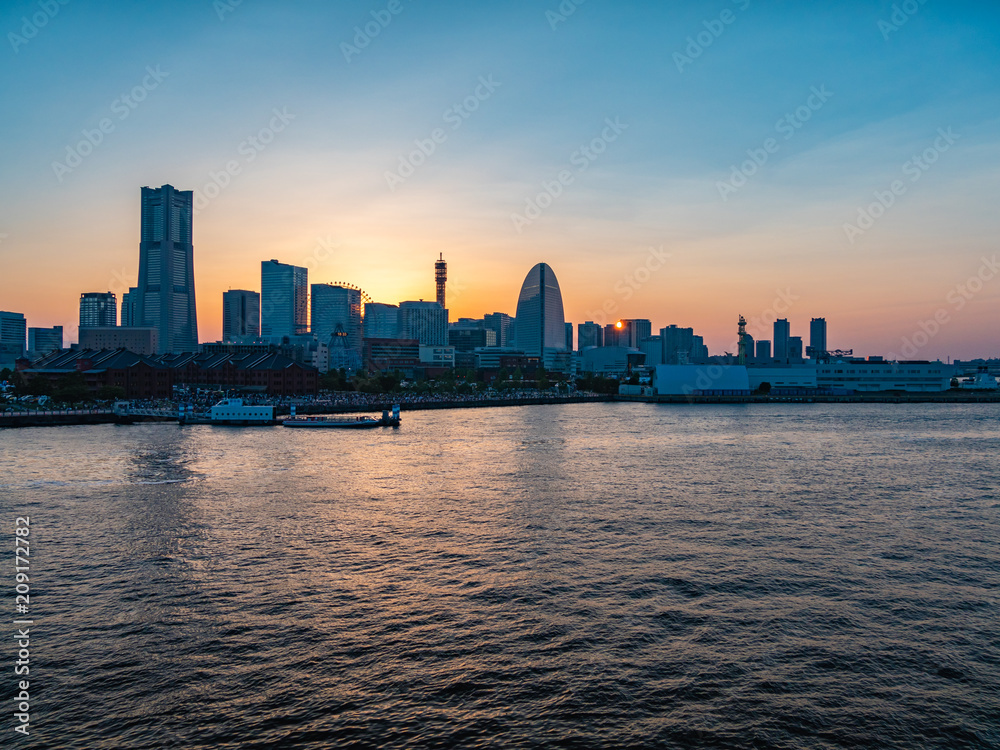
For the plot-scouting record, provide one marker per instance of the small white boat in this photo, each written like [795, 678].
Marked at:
[342, 421]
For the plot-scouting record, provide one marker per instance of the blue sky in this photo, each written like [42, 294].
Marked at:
[322, 179]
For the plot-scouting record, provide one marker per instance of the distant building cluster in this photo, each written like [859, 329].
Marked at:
[337, 326]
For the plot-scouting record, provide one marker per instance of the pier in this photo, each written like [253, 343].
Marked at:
[132, 416]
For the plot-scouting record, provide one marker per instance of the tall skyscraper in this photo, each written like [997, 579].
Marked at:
[45, 340]
[98, 310]
[541, 323]
[763, 354]
[503, 324]
[381, 321]
[440, 278]
[129, 317]
[284, 300]
[615, 333]
[817, 337]
[636, 329]
[678, 345]
[240, 315]
[426, 322]
[589, 334]
[569, 337]
[13, 328]
[164, 297]
[781, 335]
[336, 316]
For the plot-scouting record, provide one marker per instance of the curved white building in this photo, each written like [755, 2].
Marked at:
[540, 322]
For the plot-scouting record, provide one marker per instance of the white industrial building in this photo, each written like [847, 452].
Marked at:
[877, 375]
[863, 376]
[787, 376]
[684, 380]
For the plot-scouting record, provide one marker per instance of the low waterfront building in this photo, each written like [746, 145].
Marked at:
[265, 372]
[437, 356]
[154, 377]
[386, 355]
[137, 375]
[611, 361]
[561, 361]
[500, 357]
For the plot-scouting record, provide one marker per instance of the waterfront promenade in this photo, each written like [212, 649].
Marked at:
[353, 402]
[338, 403]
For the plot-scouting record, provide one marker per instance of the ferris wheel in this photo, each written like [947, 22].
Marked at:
[365, 297]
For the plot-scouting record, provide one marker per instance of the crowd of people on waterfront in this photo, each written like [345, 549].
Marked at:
[203, 400]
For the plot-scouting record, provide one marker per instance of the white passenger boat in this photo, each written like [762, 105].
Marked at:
[342, 421]
[230, 411]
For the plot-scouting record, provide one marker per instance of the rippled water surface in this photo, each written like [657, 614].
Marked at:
[584, 575]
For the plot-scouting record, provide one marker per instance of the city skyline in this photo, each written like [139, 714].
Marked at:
[837, 162]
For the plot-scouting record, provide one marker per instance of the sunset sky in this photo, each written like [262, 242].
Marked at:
[708, 159]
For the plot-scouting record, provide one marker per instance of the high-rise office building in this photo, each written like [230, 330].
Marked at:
[615, 334]
[284, 300]
[636, 329]
[541, 323]
[129, 317]
[45, 340]
[569, 337]
[652, 347]
[426, 322]
[699, 352]
[780, 339]
[440, 278]
[503, 324]
[469, 336]
[98, 309]
[164, 296]
[13, 329]
[381, 321]
[240, 315]
[589, 334]
[336, 316]
[794, 348]
[763, 354]
[817, 338]
[678, 345]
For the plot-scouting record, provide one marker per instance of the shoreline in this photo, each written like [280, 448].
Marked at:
[97, 416]
[943, 397]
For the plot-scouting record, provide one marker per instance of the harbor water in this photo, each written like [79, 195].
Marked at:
[607, 575]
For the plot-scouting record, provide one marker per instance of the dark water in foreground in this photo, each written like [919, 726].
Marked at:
[587, 575]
